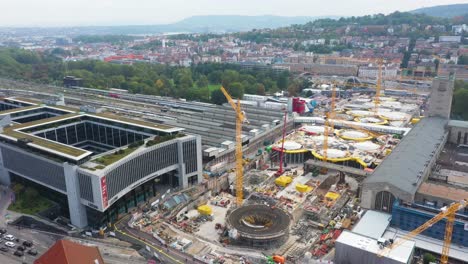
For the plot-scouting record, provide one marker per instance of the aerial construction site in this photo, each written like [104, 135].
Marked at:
[335, 177]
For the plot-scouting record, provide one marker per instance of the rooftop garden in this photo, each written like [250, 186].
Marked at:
[117, 155]
[161, 139]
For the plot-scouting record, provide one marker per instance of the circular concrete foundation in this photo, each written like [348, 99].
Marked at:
[258, 225]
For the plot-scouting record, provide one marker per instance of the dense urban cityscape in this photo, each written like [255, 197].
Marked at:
[227, 139]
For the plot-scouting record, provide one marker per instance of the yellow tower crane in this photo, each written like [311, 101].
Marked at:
[447, 212]
[240, 118]
[329, 125]
[378, 87]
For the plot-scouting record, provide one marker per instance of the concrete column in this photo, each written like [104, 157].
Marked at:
[183, 181]
[199, 160]
[5, 178]
[78, 215]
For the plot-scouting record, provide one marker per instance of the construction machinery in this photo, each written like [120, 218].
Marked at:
[275, 259]
[240, 119]
[281, 158]
[446, 212]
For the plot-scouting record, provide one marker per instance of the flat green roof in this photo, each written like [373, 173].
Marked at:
[13, 132]
[19, 109]
[117, 118]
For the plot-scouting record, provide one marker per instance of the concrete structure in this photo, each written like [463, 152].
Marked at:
[323, 69]
[458, 132]
[440, 102]
[103, 164]
[409, 164]
[361, 244]
[354, 248]
[258, 225]
[373, 72]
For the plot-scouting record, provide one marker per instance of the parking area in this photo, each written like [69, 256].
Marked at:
[40, 243]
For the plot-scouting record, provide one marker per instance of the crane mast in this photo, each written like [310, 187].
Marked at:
[240, 118]
[448, 213]
[328, 123]
[281, 169]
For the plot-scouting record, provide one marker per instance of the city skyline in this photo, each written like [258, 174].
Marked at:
[56, 13]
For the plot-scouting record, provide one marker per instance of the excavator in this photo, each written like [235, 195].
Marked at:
[275, 259]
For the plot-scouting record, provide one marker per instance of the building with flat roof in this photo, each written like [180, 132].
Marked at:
[103, 164]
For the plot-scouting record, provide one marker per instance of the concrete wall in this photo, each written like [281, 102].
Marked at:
[458, 135]
[440, 102]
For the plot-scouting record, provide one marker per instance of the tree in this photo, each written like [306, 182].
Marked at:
[229, 76]
[260, 89]
[217, 97]
[428, 258]
[293, 89]
[283, 81]
[463, 60]
[236, 90]
[215, 77]
[460, 107]
[202, 81]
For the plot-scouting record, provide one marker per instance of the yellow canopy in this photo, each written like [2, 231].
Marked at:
[302, 188]
[332, 195]
[205, 210]
[283, 181]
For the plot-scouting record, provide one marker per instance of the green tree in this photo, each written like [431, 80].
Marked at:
[459, 105]
[217, 97]
[229, 76]
[236, 90]
[202, 81]
[260, 89]
[215, 77]
[463, 60]
[283, 81]
[428, 258]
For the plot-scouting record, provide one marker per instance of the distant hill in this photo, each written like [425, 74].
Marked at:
[195, 24]
[447, 11]
[234, 23]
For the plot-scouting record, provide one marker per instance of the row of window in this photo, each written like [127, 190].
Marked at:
[190, 156]
[465, 138]
[87, 131]
[34, 168]
[413, 221]
[86, 187]
[140, 167]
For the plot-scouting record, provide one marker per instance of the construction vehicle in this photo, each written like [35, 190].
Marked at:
[446, 212]
[240, 119]
[275, 259]
[281, 161]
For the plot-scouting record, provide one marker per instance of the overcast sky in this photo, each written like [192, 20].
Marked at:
[125, 12]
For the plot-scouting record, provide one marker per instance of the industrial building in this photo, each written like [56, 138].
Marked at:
[425, 172]
[102, 164]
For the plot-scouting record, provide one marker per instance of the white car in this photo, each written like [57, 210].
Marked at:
[9, 237]
[10, 244]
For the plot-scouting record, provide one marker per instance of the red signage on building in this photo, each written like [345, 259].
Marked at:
[105, 201]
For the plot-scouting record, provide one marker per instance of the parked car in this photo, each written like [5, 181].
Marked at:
[28, 243]
[19, 253]
[4, 249]
[2, 231]
[9, 237]
[32, 251]
[21, 248]
[10, 244]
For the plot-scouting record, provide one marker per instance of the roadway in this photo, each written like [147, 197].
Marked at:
[166, 254]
